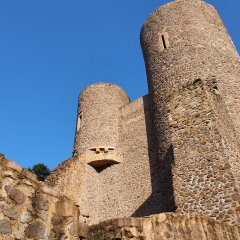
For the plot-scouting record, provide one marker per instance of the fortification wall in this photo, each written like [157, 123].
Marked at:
[124, 189]
[165, 226]
[31, 210]
[206, 154]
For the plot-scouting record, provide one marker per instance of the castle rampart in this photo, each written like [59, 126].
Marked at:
[206, 162]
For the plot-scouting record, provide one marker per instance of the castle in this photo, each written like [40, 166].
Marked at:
[174, 152]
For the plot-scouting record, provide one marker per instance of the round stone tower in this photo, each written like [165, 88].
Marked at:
[183, 41]
[193, 72]
[97, 124]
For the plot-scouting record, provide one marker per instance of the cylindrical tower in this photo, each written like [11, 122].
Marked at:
[186, 40]
[193, 72]
[97, 123]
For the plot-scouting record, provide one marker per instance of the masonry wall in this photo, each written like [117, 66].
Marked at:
[130, 188]
[178, 147]
[206, 153]
[164, 226]
[31, 210]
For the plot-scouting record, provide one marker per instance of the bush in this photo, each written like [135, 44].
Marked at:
[40, 170]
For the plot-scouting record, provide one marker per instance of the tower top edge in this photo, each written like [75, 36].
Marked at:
[172, 3]
[104, 84]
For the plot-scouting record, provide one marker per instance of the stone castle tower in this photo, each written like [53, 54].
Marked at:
[175, 149]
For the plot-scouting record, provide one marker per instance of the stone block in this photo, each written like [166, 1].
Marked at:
[10, 174]
[8, 211]
[30, 176]
[36, 230]
[16, 195]
[83, 230]
[50, 191]
[65, 209]
[40, 203]
[5, 227]
[25, 217]
[56, 221]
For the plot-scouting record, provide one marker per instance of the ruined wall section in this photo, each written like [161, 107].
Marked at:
[31, 210]
[206, 153]
[164, 226]
[73, 178]
[79, 181]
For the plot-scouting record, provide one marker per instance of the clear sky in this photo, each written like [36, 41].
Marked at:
[51, 49]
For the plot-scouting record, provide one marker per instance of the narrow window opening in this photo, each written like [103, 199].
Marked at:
[164, 42]
[79, 122]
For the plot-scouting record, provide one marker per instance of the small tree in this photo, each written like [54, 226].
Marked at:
[40, 170]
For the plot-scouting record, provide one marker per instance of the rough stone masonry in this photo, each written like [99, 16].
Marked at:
[165, 166]
[175, 149]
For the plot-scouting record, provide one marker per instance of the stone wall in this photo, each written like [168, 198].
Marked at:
[31, 210]
[176, 148]
[130, 188]
[164, 226]
[206, 153]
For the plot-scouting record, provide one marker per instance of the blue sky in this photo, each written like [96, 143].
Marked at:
[52, 49]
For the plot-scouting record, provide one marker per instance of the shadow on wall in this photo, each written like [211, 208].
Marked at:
[162, 196]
